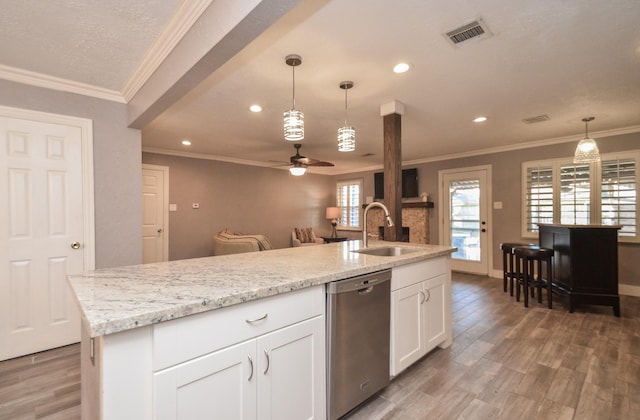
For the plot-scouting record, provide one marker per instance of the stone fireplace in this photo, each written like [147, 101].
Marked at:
[415, 218]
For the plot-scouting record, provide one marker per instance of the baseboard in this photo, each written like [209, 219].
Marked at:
[629, 290]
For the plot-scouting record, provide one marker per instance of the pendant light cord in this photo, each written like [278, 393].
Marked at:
[345, 107]
[293, 68]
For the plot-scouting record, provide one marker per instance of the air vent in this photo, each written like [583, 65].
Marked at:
[539, 118]
[476, 29]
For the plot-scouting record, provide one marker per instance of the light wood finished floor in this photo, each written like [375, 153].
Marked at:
[511, 362]
[506, 362]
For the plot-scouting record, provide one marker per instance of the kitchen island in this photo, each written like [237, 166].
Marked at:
[149, 331]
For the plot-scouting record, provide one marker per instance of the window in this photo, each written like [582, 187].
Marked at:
[348, 197]
[559, 191]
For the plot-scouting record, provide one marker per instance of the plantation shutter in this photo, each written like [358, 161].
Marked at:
[618, 195]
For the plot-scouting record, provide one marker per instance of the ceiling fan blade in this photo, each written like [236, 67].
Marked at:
[321, 163]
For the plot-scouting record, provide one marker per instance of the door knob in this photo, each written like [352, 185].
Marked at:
[159, 230]
[75, 245]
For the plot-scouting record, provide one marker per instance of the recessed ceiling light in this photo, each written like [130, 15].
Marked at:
[480, 119]
[186, 142]
[255, 108]
[401, 67]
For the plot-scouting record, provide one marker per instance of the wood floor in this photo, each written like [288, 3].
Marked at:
[511, 362]
[506, 362]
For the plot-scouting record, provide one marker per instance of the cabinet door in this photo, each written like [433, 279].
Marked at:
[291, 376]
[435, 310]
[407, 327]
[218, 385]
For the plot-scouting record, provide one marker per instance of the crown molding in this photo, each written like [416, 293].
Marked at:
[528, 145]
[187, 13]
[170, 152]
[57, 83]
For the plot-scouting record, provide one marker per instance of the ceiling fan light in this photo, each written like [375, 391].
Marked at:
[346, 139]
[297, 170]
[293, 125]
[587, 149]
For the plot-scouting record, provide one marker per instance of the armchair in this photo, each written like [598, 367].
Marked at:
[304, 237]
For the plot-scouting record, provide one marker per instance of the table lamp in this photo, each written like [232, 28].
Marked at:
[333, 214]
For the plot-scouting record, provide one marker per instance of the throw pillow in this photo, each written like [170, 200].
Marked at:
[305, 235]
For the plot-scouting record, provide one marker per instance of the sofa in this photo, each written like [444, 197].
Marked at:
[227, 242]
[304, 237]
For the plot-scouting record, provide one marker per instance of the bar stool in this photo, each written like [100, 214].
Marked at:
[526, 258]
[508, 267]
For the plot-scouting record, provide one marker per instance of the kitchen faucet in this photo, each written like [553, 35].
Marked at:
[365, 237]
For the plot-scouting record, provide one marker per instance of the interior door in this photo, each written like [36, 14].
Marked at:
[42, 235]
[464, 206]
[155, 216]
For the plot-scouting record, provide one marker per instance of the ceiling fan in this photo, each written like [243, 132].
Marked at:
[300, 163]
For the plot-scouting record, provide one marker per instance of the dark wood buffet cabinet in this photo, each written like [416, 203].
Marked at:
[585, 263]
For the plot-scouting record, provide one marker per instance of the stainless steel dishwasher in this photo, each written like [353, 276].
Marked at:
[358, 323]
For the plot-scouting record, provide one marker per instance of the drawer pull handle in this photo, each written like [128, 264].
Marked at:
[424, 297]
[266, 354]
[251, 321]
[251, 366]
[429, 296]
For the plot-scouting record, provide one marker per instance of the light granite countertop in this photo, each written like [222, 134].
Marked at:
[118, 299]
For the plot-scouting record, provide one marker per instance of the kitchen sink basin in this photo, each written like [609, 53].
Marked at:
[387, 251]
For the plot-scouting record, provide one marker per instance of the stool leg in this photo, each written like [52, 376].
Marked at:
[517, 279]
[511, 273]
[549, 283]
[525, 281]
[504, 271]
[539, 283]
[532, 277]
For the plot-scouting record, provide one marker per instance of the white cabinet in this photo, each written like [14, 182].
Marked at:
[420, 311]
[275, 376]
[264, 359]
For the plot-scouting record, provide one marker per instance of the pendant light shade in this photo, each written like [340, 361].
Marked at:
[346, 134]
[587, 150]
[293, 118]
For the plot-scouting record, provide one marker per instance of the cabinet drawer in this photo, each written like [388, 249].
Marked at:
[192, 336]
[406, 275]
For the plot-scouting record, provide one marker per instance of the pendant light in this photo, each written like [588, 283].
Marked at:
[346, 134]
[293, 118]
[587, 150]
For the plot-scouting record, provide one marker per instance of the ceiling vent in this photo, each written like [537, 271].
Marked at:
[537, 119]
[473, 30]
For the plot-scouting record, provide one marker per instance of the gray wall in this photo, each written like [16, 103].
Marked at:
[241, 198]
[506, 187]
[116, 148]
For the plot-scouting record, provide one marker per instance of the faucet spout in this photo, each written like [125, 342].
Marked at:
[365, 236]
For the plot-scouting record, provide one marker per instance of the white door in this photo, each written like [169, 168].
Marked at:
[435, 309]
[407, 327]
[220, 385]
[465, 225]
[155, 216]
[291, 372]
[42, 233]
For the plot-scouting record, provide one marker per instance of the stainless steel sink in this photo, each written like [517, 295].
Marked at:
[387, 251]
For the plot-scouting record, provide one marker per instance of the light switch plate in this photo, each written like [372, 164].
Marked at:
[173, 207]
[195, 205]
[497, 205]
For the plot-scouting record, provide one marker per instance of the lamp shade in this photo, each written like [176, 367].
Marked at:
[333, 213]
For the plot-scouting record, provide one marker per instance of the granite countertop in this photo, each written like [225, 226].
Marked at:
[118, 299]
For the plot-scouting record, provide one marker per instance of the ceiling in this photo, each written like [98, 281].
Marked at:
[567, 60]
